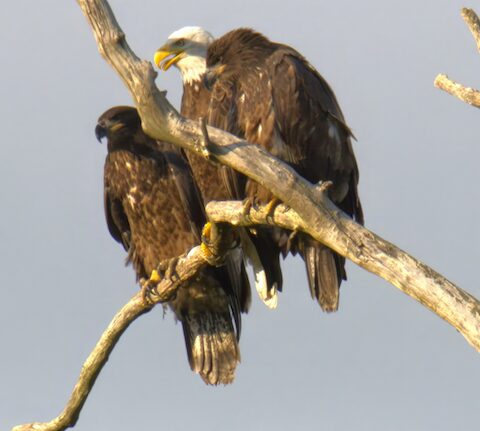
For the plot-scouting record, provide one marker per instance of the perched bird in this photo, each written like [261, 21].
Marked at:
[186, 49]
[153, 208]
[272, 96]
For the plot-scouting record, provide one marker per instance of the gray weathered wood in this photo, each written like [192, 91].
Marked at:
[443, 82]
[465, 94]
[187, 266]
[473, 22]
[321, 218]
[309, 210]
[368, 250]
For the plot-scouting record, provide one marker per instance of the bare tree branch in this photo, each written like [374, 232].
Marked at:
[373, 253]
[92, 367]
[311, 211]
[319, 216]
[443, 82]
[473, 23]
[465, 94]
[188, 265]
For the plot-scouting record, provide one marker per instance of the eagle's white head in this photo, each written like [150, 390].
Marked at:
[186, 49]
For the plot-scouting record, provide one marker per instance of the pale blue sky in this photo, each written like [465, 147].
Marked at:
[383, 362]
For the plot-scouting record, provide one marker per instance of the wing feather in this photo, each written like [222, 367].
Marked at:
[309, 119]
[187, 189]
[117, 221]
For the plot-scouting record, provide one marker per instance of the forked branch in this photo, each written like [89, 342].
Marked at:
[308, 210]
[466, 94]
[320, 217]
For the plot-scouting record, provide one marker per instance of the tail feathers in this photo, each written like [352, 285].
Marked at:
[325, 270]
[212, 346]
[238, 276]
[266, 268]
[351, 202]
[246, 295]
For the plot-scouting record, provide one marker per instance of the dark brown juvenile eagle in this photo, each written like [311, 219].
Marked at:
[153, 209]
[272, 96]
[186, 49]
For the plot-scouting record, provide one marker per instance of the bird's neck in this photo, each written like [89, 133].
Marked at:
[192, 69]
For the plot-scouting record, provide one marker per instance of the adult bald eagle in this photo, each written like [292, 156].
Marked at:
[186, 49]
[275, 98]
[153, 209]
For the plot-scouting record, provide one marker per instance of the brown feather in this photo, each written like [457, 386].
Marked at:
[217, 182]
[152, 199]
[283, 104]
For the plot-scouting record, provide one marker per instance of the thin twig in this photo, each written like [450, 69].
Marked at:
[473, 22]
[443, 82]
[466, 94]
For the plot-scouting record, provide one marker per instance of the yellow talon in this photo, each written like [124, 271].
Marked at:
[155, 276]
[206, 230]
[271, 206]
[205, 250]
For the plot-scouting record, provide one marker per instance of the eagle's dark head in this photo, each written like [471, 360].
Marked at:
[234, 52]
[117, 123]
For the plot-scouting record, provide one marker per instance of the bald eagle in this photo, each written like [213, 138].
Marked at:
[153, 208]
[186, 49]
[275, 98]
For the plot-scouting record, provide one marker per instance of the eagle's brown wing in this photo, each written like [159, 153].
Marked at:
[285, 106]
[265, 245]
[309, 120]
[116, 219]
[150, 192]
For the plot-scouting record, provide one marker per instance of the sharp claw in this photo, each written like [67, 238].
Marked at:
[270, 209]
[149, 287]
[206, 242]
[214, 243]
[166, 269]
[171, 272]
[247, 206]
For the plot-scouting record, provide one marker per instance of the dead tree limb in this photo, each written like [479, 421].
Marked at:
[311, 211]
[188, 265]
[92, 367]
[466, 94]
[320, 217]
[473, 22]
[368, 250]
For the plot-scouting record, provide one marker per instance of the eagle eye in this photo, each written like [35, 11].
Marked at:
[180, 42]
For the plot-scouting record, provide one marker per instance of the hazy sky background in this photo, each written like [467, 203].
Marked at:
[383, 362]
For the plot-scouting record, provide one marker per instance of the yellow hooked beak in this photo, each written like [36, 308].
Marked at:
[162, 60]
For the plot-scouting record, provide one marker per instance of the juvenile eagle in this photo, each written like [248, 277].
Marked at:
[272, 96]
[186, 49]
[153, 209]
